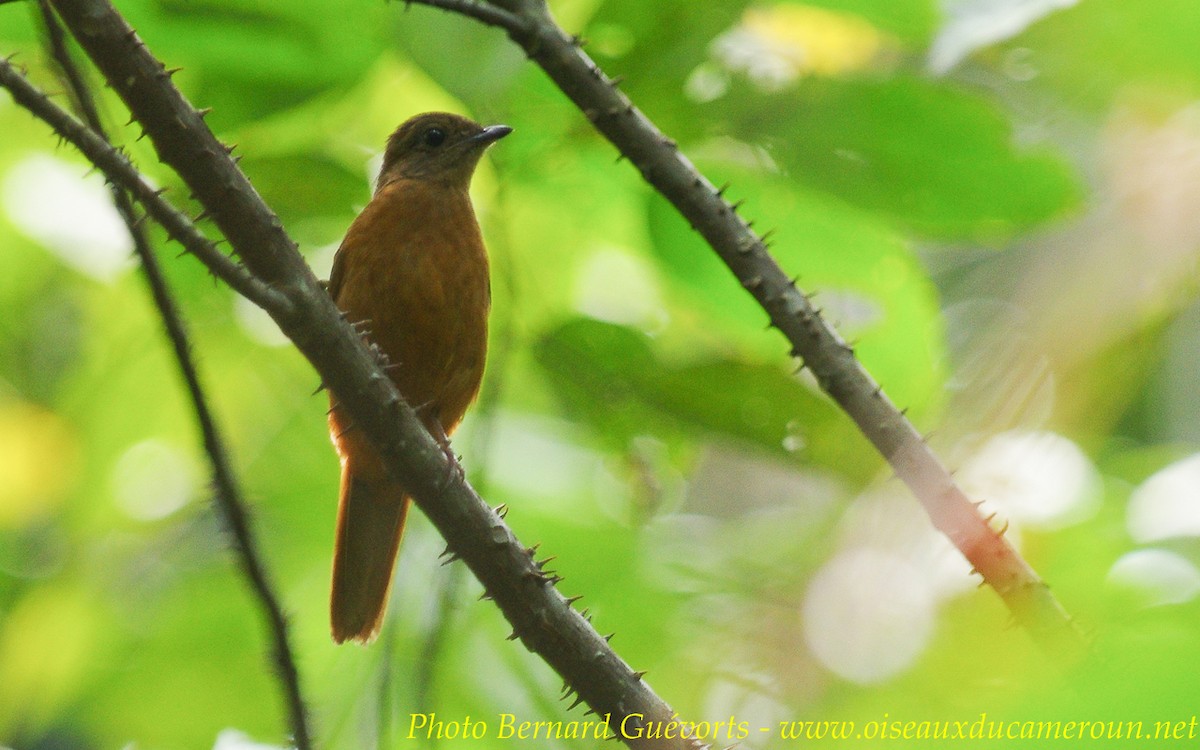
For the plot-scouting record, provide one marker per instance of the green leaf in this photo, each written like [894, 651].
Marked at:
[936, 159]
[1096, 49]
[610, 377]
[249, 60]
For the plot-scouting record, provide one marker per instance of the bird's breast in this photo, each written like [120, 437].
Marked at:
[414, 271]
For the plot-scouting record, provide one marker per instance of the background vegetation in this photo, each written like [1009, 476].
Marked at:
[996, 200]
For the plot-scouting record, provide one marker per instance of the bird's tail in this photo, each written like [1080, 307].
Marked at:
[371, 517]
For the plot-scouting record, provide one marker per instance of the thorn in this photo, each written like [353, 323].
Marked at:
[608, 637]
[572, 599]
[737, 204]
[204, 113]
[172, 71]
[542, 563]
[615, 81]
[577, 701]
[721, 190]
[321, 387]
[512, 636]
[450, 559]
[639, 675]
[500, 509]
[485, 596]
[446, 551]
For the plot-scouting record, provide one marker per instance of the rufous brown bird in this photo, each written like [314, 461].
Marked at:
[412, 274]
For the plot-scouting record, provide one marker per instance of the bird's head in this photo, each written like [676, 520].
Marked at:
[437, 146]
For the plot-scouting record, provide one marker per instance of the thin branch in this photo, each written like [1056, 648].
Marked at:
[825, 353]
[480, 11]
[541, 617]
[117, 167]
[228, 496]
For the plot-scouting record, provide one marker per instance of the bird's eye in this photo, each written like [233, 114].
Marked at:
[434, 137]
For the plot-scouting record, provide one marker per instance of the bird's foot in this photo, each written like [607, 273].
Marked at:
[454, 469]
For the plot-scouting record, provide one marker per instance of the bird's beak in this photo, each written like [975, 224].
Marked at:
[490, 134]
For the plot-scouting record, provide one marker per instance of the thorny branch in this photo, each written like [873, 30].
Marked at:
[530, 25]
[520, 585]
[119, 170]
[227, 493]
[278, 281]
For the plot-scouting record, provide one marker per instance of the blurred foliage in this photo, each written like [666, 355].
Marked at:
[1010, 244]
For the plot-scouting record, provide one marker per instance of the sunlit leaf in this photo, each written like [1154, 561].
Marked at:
[931, 157]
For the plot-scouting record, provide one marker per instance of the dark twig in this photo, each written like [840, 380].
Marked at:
[227, 495]
[486, 12]
[541, 618]
[120, 171]
[529, 24]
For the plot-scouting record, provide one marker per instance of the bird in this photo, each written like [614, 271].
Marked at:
[412, 276]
